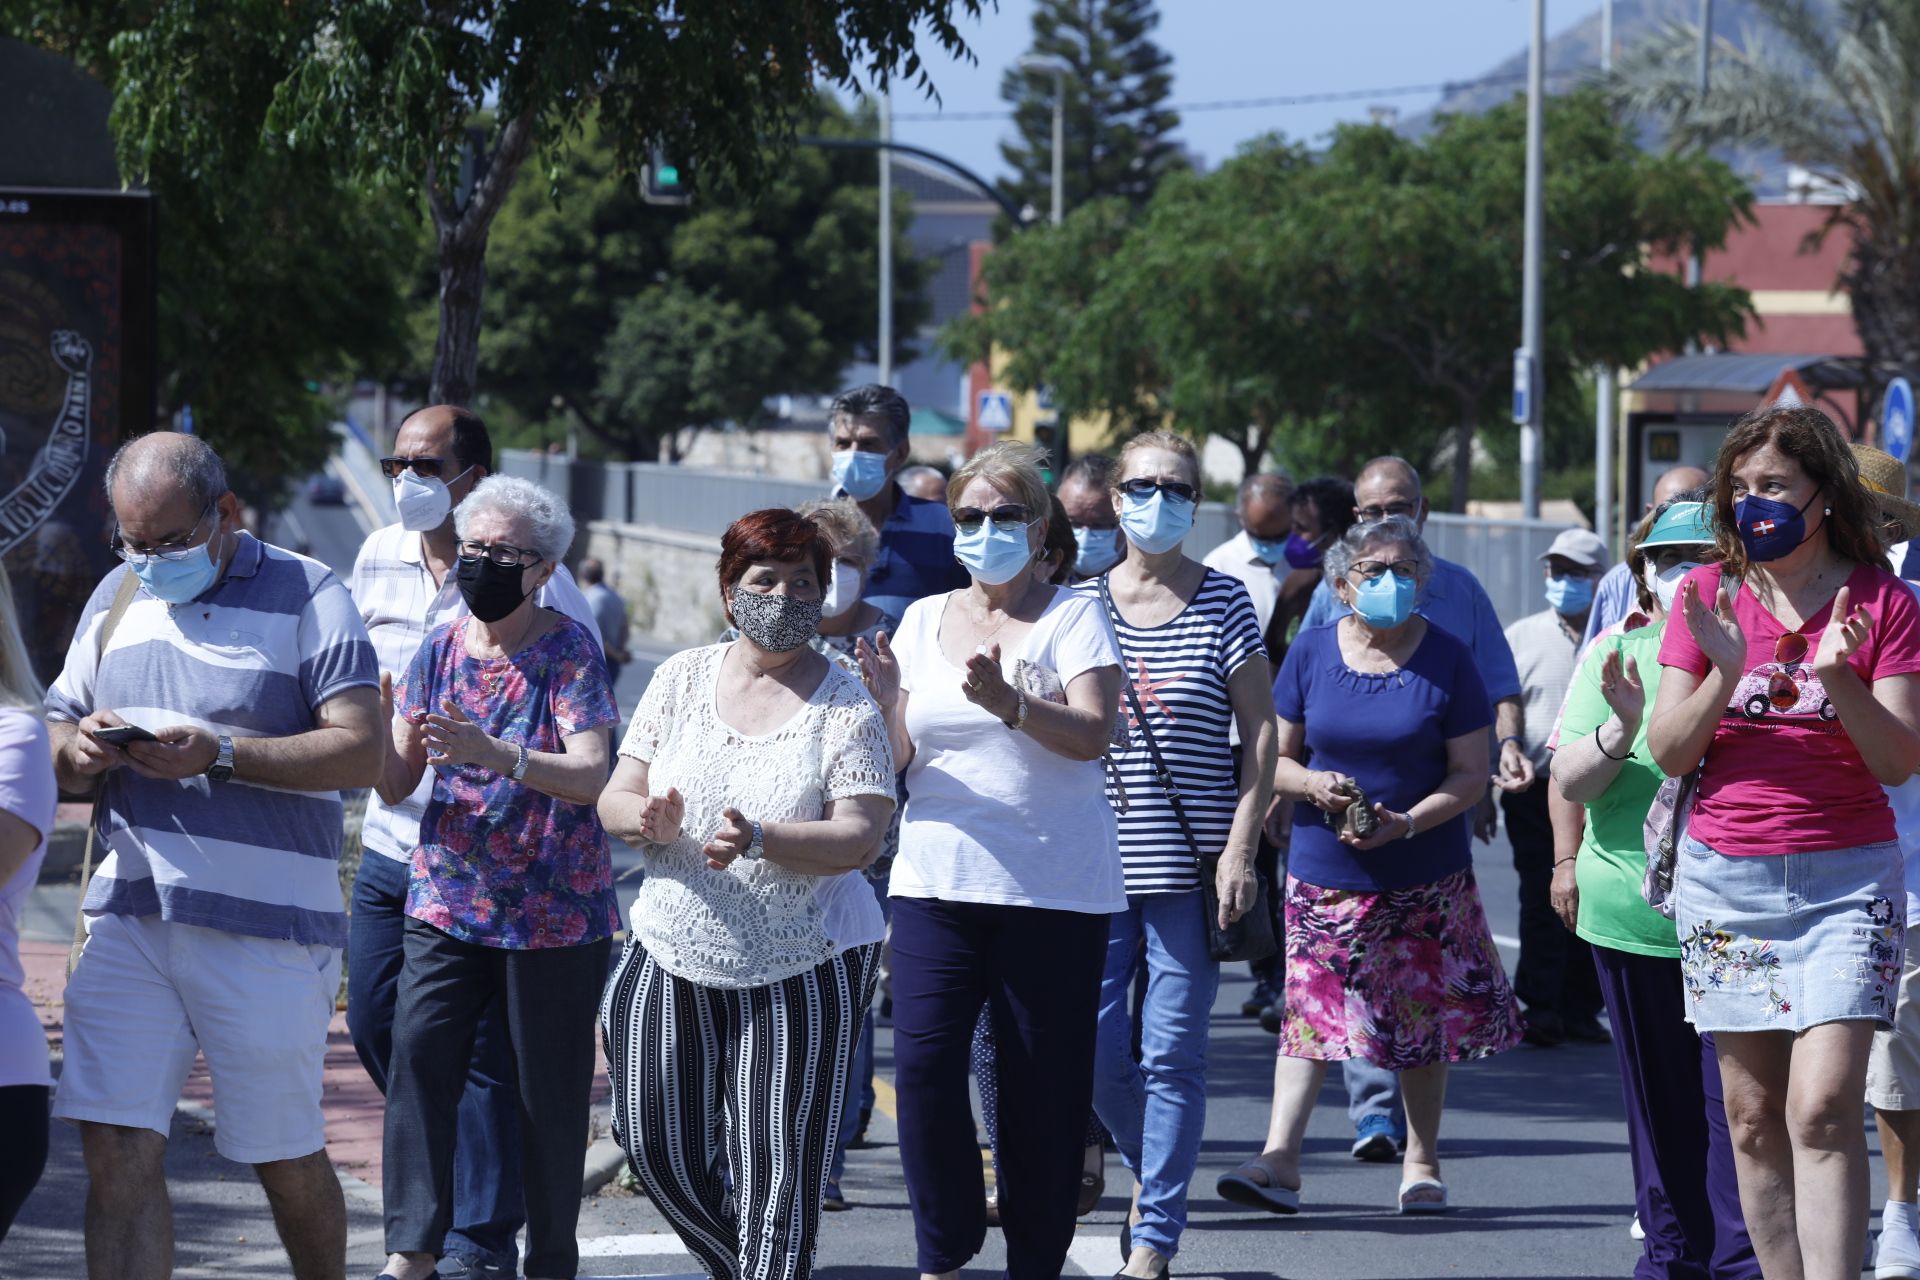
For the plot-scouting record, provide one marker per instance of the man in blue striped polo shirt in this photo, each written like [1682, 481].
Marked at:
[235, 697]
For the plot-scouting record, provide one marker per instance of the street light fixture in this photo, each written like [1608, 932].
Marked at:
[1059, 69]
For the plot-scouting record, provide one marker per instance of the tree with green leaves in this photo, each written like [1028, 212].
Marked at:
[1835, 86]
[281, 274]
[451, 97]
[644, 320]
[1119, 132]
[1365, 300]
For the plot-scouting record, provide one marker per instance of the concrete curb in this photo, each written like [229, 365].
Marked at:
[605, 1160]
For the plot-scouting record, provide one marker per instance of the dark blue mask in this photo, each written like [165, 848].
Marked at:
[1769, 529]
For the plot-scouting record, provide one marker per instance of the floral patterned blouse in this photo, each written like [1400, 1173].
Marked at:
[500, 864]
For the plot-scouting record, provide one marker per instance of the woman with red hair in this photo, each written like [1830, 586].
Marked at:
[757, 780]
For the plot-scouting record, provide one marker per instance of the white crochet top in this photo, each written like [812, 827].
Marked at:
[754, 923]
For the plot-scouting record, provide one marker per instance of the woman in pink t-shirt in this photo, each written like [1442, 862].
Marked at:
[1791, 686]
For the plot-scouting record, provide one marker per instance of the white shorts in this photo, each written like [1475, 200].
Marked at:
[148, 993]
[1893, 1064]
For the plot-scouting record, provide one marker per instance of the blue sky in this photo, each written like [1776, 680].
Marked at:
[1236, 49]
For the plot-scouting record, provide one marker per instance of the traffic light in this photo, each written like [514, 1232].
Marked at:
[662, 181]
[1050, 434]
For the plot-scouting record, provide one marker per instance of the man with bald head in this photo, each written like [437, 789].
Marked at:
[1454, 601]
[1257, 554]
[1617, 594]
[220, 693]
[404, 586]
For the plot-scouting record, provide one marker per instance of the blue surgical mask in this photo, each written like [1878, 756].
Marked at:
[1155, 523]
[860, 473]
[1770, 529]
[1270, 550]
[1386, 601]
[177, 581]
[1100, 550]
[993, 555]
[1570, 596]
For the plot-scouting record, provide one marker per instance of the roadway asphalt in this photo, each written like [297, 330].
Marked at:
[1533, 1147]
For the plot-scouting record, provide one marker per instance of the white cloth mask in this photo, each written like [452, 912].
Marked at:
[844, 582]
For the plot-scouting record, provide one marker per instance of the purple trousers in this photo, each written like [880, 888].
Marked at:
[1685, 1188]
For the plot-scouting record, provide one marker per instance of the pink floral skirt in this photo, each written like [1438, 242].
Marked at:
[1403, 978]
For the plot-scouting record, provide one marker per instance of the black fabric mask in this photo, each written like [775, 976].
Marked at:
[492, 591]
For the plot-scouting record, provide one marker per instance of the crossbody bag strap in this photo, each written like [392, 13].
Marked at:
[122, 598]
[1146, 732]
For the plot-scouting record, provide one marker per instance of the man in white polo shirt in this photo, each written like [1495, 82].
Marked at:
[403, 586]
[214, 921]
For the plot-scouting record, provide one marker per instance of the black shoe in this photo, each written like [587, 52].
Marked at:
[1544, 1029]
[1270, 1018]
[1257, 1000]
[859, 1140]
[1587, 1031]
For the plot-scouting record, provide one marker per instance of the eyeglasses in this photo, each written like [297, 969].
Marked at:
[1370, 514]
[1790, 650]
[1141, 487]
[1372, 569]
[503, 554]
[1010, 518]
[159, 551]
[427, 468]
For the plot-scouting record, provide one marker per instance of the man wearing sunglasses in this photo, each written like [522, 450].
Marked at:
[404, 586]
[868, 426]
[220, 693]
[1453, 600]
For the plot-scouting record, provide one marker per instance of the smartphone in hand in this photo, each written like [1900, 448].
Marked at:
[120, 735]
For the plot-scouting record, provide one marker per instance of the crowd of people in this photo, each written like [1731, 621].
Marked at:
[1031, 766]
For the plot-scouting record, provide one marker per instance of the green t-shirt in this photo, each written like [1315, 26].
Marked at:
[1613, 855]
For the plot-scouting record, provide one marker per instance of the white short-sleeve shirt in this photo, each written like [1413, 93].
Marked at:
[992, 816]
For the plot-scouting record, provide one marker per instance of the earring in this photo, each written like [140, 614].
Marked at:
[1826, 511]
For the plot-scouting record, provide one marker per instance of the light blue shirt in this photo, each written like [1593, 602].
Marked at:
[1613, 600]
[1454, 601]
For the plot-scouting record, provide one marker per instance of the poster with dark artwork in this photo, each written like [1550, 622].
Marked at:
[76, 377]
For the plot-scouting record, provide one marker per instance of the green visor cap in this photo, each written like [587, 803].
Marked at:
[1683, 523]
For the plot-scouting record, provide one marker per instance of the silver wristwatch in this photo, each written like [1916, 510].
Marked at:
[756, 847]
[222, 767]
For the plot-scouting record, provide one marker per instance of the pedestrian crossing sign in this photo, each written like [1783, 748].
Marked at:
[995, 411]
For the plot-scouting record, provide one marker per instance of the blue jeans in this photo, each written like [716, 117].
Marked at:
[1373, 1091]
[862, 1073]
[488, 1206]
[1157, 1107]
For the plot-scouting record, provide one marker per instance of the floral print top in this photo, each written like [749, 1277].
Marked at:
[500, 864]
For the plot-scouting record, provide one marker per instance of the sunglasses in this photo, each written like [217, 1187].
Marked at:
[1141, 487]
[1011, 518]
[1790, 650]
[427, 468]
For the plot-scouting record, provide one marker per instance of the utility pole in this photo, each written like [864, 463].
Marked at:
[886, 240]
[1059, 69]
[1606, 37]
[1703, 72]
[1606, 385]
[1532, 319]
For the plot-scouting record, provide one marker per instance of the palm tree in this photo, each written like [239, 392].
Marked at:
[1834, 85]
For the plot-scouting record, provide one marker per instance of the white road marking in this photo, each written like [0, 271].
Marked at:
[647, 1244]
[1502, 940]
[1095, 1255]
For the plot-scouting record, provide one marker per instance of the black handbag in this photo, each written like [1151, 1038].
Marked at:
[1251, 936]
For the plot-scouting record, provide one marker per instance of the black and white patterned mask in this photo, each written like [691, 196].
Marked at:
[777, 623]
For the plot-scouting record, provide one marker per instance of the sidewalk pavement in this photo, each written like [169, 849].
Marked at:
[355, 1110]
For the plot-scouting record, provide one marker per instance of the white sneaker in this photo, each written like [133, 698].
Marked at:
[1636, 1230]
[1896, 1255]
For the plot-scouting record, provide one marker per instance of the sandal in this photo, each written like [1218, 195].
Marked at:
[1239, 1188]
[1428, 1205]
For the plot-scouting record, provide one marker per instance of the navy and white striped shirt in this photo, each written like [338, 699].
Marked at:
[255, 656]
[1179, 671]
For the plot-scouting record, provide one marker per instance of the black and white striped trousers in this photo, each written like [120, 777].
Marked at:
[727, 1102]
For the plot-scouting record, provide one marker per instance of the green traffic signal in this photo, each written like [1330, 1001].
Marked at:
[667, 175]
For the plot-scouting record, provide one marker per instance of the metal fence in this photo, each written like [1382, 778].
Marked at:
[1502, 554]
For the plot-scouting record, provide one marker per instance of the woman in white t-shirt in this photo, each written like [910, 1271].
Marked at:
[27, 799]
[1000, 701]
[756, 778]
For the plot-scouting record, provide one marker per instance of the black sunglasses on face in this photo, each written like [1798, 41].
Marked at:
[1141, 487]
[427, 468]
[1006, 518]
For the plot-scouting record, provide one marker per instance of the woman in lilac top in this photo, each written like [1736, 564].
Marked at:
[511, 891]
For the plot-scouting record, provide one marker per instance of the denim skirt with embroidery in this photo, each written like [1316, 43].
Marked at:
[1783, 942]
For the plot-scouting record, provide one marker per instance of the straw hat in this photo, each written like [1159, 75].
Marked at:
[1885, 477]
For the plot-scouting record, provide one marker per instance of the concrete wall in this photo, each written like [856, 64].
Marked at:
[666, 577]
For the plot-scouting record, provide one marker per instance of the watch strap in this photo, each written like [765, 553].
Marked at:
[222, 767]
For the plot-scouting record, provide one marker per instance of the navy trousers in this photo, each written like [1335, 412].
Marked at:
[1038, 972]
[489, 1207]
[1685, 1188]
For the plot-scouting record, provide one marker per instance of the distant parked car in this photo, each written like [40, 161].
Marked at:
[324, 490]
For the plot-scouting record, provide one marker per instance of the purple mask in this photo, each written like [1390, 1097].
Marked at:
[1302, 554]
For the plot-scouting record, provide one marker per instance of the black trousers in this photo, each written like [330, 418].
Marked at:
[1555, 973]
[551, 996]
[23, 1153]
[1038, 972]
